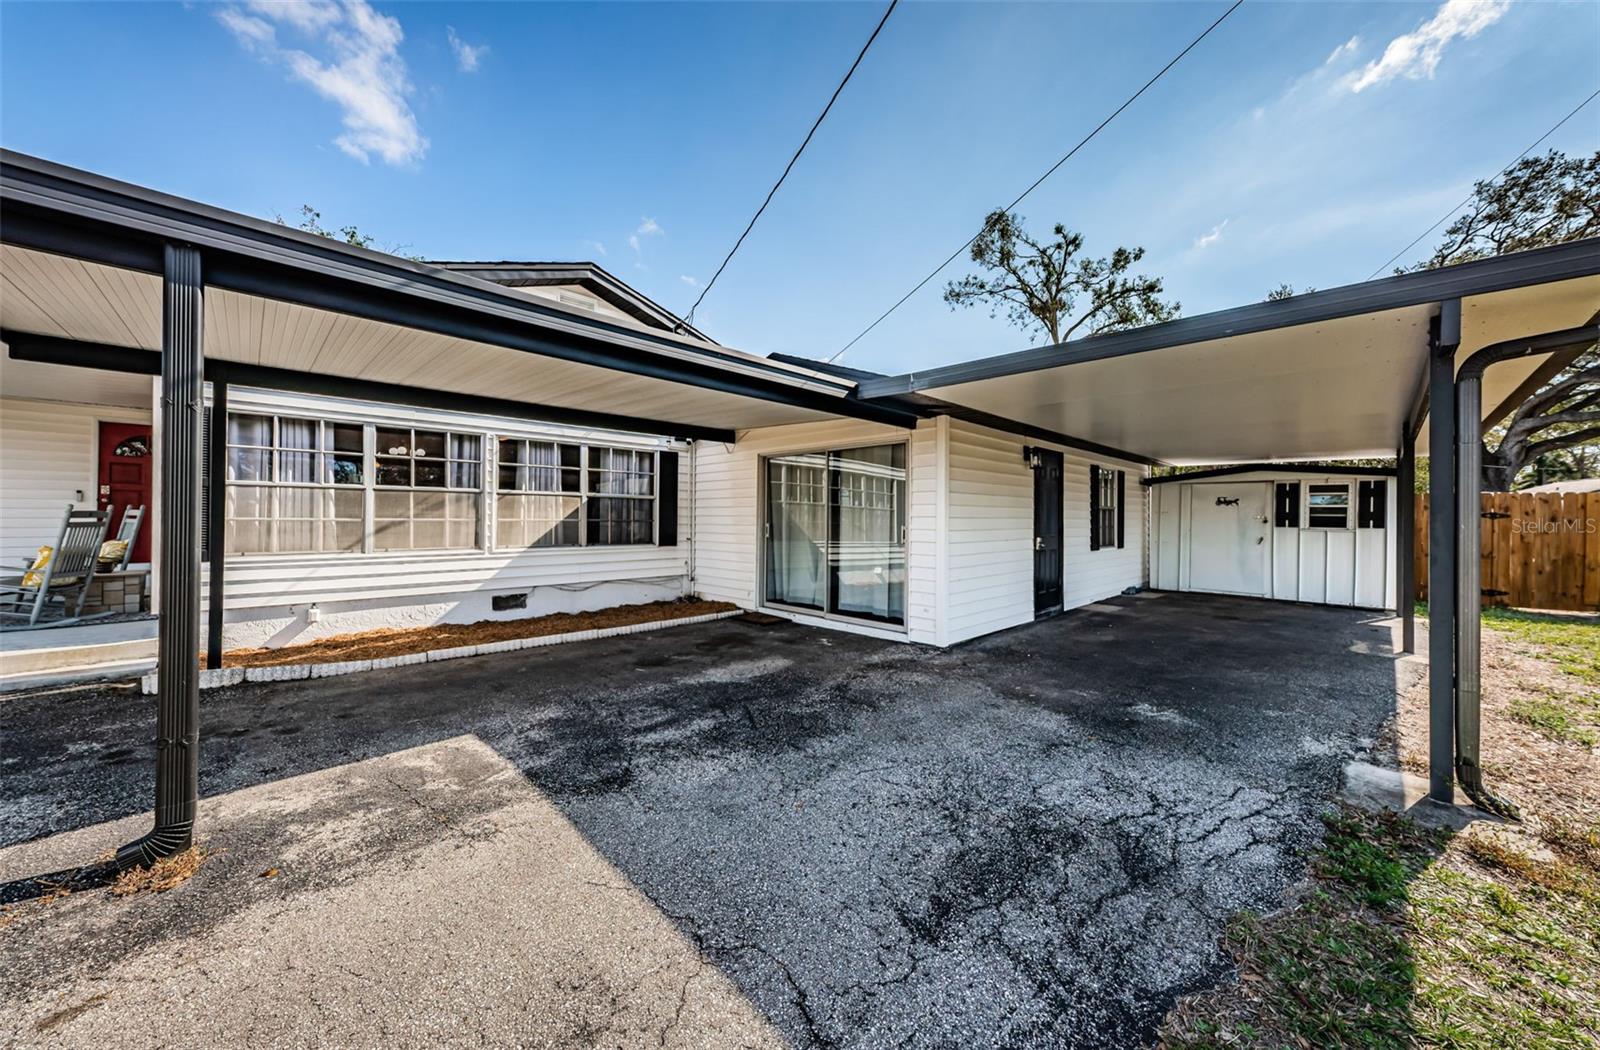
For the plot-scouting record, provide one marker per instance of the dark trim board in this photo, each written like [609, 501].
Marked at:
[1541, 265]
[1276, 468]
[25, 346]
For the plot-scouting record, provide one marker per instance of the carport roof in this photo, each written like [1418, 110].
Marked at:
[82, 257]
[1326, 375]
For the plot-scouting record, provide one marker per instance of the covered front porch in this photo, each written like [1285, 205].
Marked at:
[120, 297]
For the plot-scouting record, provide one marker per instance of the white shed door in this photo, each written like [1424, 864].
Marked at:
[1228, 529]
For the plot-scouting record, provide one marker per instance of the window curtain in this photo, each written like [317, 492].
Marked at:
[797, 529]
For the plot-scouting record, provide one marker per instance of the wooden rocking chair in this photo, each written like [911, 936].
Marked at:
[64, 575]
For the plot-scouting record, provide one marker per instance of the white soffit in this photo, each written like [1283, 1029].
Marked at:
[60, 296]
[1332, 389]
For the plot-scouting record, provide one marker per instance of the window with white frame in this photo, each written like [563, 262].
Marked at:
[294, 485]
[539, 502]
[1105, 521]
[426, 485]
[306, 485]
[1328, 506]
[619, 505]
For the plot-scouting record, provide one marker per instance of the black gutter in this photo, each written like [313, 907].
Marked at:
[65, 211]
[1469, 595]
[177, 670]
[47, 349]
[1541, 265]
[1276, 468]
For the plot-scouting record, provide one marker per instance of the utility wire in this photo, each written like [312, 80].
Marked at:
[1468, 199]
[787, 168]
[1049, 172]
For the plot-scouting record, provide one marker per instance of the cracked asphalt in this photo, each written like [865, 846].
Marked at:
[724, 834]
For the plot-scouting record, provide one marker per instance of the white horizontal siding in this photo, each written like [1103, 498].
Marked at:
[1325, 566]
[727, 509]
[989, 526]
[49, 454]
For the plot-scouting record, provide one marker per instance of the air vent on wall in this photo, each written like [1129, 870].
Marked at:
[582, 302]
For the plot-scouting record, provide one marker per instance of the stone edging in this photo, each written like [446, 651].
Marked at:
[216, 678]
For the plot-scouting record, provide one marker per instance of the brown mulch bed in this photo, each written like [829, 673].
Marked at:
[389, 641]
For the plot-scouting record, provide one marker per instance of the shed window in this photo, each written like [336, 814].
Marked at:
[1328, 506]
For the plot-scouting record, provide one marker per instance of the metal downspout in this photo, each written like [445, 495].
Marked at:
[1469, 595]
[178, 689]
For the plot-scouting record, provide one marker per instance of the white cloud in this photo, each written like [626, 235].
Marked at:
[690, 281]
[467, 55]
[595, 246]
[1206, 240]
[1415, 55]
[647, 228]
[358, 67]
[1347, 48]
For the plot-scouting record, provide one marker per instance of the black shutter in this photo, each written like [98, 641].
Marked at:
[205, 484]
[1094, 507]
[1372, 505]
[1122, 512]
[667, 499]
[1286, 514]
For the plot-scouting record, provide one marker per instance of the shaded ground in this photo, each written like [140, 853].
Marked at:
[1033, 840]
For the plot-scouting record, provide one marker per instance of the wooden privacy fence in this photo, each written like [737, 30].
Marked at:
[1540, 550]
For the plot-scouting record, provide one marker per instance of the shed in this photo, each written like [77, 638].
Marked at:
[1303, 534]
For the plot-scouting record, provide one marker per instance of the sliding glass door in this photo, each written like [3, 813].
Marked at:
[836, 538]
[797, 530]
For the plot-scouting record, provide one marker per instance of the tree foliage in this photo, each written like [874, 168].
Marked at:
[311, 222]
[1048, 285]
[1540, 201]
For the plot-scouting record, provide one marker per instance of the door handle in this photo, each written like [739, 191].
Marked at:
[1038, 543]
[1260, 540]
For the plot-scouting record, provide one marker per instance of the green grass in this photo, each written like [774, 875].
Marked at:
[1409, 938]
[1562, 717]
[1572, 644]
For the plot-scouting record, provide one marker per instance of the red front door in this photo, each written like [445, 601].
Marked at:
[125, 477]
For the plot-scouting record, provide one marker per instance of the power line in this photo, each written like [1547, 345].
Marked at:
[1468, 199]
[1049, 172]
[787, 168]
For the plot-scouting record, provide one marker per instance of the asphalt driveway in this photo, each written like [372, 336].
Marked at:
[726, 834]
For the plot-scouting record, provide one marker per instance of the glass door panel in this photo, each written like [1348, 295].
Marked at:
[797, 523]
[867, 547]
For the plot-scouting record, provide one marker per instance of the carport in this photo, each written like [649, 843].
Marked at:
[108, 282]
[1348, 372]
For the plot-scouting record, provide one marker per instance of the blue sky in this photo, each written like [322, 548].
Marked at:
[1301, 142]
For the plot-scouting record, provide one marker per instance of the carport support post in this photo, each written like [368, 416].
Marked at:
[1405, 555]
[1444, 336]
[216, 511]
[178, 694]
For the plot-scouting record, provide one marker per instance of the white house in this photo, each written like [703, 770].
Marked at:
[420, 442]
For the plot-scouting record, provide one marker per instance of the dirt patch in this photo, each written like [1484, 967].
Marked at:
[1557, 780]
[386, 642]
[168, 873]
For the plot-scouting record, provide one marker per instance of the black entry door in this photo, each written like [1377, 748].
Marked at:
[1046, 531]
